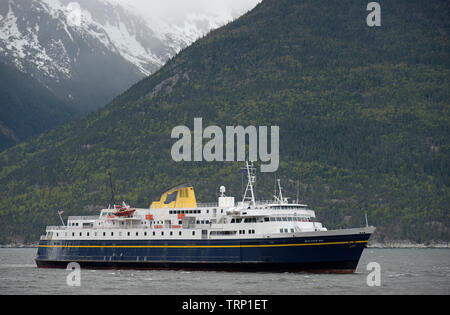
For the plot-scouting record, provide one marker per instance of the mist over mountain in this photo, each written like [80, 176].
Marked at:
[85, 52]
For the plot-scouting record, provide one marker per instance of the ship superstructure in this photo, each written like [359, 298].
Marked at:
[176, 232]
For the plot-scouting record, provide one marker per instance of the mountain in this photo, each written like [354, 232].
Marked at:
[89, 51]
[83, 52]
[363, 115]
[86, 52]
[27, 107]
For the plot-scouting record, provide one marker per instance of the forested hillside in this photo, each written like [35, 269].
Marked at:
[363, 115]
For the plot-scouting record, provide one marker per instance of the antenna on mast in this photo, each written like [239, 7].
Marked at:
[251, 176]
[279, 198]
[279, 187]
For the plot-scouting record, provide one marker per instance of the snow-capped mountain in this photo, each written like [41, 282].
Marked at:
[88, 51]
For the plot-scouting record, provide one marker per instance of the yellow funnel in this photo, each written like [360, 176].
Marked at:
[183, 197]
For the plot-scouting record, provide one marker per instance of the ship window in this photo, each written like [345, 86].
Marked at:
[179, 233]
[281, 230]
[153, 233]
[278, 219]
[145, 233]
[81, 233]
[223, 232]
[180, 222]
[162, 233]
[290, 219]
[266, 219]
[87, 234]
[171, 233]
[292, 230]
[285, 230]
[104, 233]
[284, 219]
[193, 232]
[112, 233]
[128, 233]
[137, 233]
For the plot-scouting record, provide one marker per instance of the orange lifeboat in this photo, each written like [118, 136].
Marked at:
[123, 211]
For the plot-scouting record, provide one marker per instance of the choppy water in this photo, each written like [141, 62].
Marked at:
[403, 271]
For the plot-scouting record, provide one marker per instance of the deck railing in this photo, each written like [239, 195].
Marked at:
[84, 217]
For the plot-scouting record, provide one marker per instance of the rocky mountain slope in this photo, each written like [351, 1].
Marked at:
[84, 52]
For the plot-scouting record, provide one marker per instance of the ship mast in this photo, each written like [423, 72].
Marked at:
[280, 199]
[251, 176]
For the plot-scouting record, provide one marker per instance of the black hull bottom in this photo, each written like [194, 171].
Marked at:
[317, 267]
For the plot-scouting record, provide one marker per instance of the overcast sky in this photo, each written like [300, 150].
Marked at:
[177, 9]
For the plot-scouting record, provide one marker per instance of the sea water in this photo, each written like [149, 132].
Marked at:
[402, 271]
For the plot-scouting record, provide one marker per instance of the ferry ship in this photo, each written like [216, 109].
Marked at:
[176, 232]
